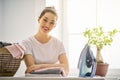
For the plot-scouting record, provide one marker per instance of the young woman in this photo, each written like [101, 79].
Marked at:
[42, 49]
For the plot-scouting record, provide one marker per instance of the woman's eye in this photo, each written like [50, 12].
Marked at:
[45, 20]
[52, 23]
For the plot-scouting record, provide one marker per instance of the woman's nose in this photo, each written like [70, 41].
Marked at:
[47, 24]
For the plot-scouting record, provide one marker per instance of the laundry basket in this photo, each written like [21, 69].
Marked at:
[8, 64]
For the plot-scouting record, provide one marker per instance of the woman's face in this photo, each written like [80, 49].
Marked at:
[47, 22]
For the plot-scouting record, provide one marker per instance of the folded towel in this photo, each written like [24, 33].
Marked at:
[50, 70]
[16, 50]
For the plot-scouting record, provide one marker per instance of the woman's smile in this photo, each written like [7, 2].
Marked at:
[45, 28]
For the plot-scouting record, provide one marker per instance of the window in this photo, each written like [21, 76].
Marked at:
[78, 15]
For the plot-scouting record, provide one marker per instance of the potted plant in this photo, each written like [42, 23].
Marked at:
[99, 38]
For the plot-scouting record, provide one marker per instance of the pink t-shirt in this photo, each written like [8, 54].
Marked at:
[44, 53]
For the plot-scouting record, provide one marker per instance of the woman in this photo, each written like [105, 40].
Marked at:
[42, 49]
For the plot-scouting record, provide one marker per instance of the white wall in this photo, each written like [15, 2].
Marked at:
[0, 17]
[18, 20]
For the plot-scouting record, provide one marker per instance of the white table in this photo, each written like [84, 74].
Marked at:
[53, 78]
[113, 74]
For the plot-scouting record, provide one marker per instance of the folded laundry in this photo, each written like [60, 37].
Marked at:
[55, 71]
[16, 50]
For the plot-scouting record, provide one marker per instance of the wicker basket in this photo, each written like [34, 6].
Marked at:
[8, 64]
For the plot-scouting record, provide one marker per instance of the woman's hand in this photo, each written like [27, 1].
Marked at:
[32, 68]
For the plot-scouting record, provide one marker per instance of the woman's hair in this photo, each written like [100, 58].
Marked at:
[48, 9]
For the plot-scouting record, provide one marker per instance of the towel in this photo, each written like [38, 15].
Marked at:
[16, 50]
[50, 70]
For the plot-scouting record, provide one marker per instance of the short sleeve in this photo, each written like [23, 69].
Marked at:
[27, 45]
[61, 48]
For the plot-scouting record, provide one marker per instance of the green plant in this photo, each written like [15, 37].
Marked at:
[96, 36]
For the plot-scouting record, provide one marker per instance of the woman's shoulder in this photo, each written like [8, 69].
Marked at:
[27, 43]
[28, 40]
[56, 39]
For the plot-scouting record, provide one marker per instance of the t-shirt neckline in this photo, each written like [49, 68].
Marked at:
[43, 43]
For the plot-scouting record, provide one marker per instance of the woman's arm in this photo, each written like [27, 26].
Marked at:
[63, 62]
[29, 61]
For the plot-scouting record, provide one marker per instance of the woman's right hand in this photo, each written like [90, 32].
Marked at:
[32, 68]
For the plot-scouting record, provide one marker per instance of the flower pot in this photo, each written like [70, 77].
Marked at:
[102, 69]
